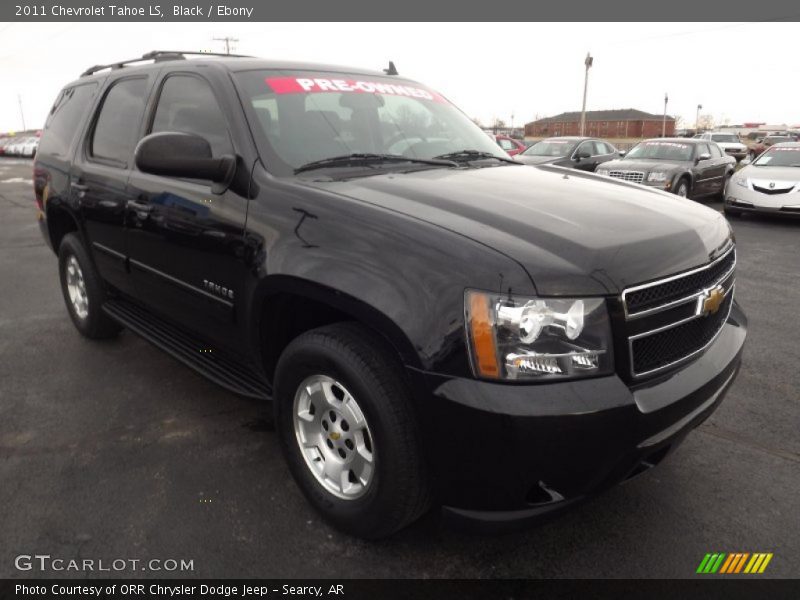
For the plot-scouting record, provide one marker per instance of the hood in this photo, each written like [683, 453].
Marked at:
[731, 145]
[575, 233]
[765, 175]
[643, 165]
[530, 159]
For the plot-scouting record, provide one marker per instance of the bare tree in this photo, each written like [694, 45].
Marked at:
[706, 122]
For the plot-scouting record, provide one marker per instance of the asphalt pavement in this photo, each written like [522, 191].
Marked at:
[114, 450]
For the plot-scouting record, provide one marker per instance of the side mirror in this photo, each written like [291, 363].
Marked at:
[704, 156]
[622, 152]
[173, 154]
[582, 155]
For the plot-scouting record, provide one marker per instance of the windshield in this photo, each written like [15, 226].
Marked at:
[725, 137]
[553, 148]
[310, 116]
[660, 151]
[779, 157]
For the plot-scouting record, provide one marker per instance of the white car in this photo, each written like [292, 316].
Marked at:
[729, 142]
[28, 147]
[770, 184]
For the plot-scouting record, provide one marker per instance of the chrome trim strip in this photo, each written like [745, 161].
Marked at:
[109, 251]
[644, 286]
[179, 282]
[688, 356]
[685, 300]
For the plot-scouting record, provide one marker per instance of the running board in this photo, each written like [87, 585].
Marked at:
[216, 365]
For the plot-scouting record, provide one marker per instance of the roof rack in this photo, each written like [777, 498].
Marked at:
[157, 56]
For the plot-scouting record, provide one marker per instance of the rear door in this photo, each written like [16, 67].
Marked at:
[99, 176]
[185, 240]
[703, 170]
[718, 168]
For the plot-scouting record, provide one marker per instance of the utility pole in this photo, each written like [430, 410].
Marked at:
[697, 119]
[664, 122]
[588, 62]
[227, 39]
[21, 112]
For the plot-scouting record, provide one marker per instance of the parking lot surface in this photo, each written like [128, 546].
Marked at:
[115, 450]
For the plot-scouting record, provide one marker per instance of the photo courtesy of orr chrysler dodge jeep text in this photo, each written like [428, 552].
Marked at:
[435, 324]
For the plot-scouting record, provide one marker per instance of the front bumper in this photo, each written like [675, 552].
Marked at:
[745, 199]
[502, 454]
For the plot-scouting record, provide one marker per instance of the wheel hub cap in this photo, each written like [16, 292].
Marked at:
[333, 437]
[76, 288]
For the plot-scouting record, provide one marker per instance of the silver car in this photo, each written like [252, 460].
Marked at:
[770, 184]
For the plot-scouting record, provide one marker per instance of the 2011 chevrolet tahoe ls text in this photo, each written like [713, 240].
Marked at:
[434, 323]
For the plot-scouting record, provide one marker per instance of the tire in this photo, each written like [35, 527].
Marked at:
[682, 188]
[725, 181]
[347, 359]
[83, 291]
[732, 212]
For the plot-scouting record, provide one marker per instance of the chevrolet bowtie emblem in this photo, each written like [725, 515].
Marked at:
[711, 300]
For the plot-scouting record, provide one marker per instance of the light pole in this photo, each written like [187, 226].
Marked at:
[588, 62]
[21, 112]
[664, 122]
[697, 119]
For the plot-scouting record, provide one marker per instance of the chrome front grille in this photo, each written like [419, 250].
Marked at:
[633, 176]
[669, 321]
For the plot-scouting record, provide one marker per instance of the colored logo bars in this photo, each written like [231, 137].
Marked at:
[735, 562]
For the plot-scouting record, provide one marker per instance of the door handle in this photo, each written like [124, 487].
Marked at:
[142, 209]
[80, 189]
[139, 206]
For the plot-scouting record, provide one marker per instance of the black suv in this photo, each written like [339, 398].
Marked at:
[434, 323]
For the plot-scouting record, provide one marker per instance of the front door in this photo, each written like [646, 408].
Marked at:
[185, 241]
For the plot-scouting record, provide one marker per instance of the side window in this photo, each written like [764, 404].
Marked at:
[188, 105]
[507, 144]
[715, 150]
[701, 149]
[62, 123]
[586, 148]
[116, 131]
[600, 148]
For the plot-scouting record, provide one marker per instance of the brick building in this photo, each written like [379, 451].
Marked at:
[620, 123]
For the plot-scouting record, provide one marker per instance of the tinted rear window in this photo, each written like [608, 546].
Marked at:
[65, 117]
[117, 128]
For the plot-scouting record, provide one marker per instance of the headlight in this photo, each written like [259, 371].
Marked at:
[537, 338]
[657, 176]
[602, 172]
[742, 181]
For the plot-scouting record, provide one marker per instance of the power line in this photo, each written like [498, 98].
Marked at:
[227, 39]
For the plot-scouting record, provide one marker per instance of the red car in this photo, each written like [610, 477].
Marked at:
[509, 144]
[770, 140]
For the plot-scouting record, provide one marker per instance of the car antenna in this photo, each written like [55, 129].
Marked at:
[392, 70]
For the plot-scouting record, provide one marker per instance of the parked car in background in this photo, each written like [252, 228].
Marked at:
[510, 145]
[5, 143]
[686, 167]
[28, 147]
[768, 185]
[759, 147]
[576, 152]
[729, 142]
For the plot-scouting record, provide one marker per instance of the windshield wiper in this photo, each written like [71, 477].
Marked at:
[467, 155]
[364, 158]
